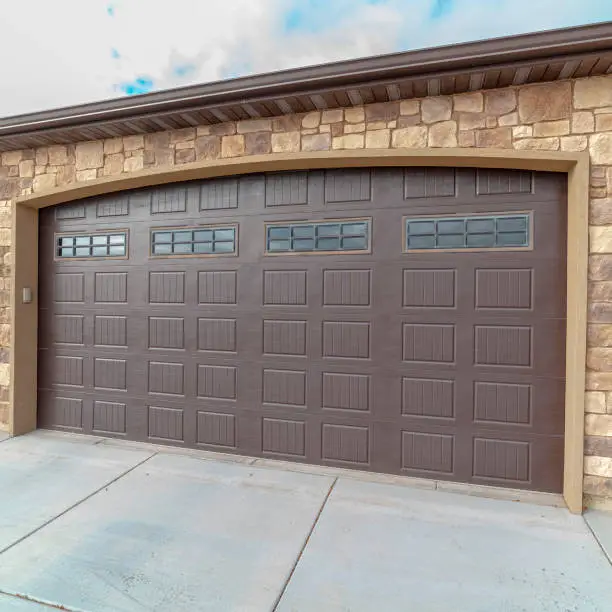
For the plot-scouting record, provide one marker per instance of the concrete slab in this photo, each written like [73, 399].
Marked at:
[3, 435]
[601, 526]
[42, 476]
[380, 547]
[177, 533]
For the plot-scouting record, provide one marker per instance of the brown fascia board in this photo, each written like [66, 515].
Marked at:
[537, 47]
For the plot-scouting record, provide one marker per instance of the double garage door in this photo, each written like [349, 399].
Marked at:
[408, 321]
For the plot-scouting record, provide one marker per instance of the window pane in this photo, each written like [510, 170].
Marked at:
[450, 241]
[512, 224]
[480, 226]
[421, 242]
[67, 241]
[352, 229]
[182, 248]
[203, 235]
[100, 240]
[117, 239]
[82, 252]
[303, 231]
[328, 230]
[355, 244]
[100, 251]
[66, 252]
[421, 227]
[183, 236]
[480, 240]
[224, 247]
[162, 237]
[203, 247]
[275, 233]
[328, 244]
[303, 244]
[83, 240]
[279, 245]
[224, 234]
[451, 226]
[162, 249]
[117, 250]
[512, 239]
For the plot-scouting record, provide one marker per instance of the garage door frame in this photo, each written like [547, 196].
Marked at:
[23, 394]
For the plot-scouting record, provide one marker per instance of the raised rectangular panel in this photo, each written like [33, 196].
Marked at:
[68, 370]
[166, 378]
[345, 443]
[429, 288]
[166, 332]
[287, 189]
[429, 182]
[68, 329]
[503, 345]
[503, 459]
[348, 185]
[110, 374]
[283, 437]
[110, 286]
[68, 412]
[219, 194]
[346, 339]
[502, 402]
[69, 287]
[165, 423]
[346, 391]
[425, 342]
[503, 288]
[169, 199]
[216, 429]
[284, 337]
[217, 287]
[428, 397]
[218, 382]
[217, 335]
[110, 331]
[286, 287]
[428, 452]
[70, 211]
[109, 417]
[284, 387]
[493, 182]
[113, 206]
[346, 287]
[167, 287]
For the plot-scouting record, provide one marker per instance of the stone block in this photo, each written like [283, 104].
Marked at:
[600, 146]
[600, 267]
[311, 131]
[538, 144]
[287, 123]
[443, 134]
[5, 374]
[545, 102]
[336, 129]
[377, 125]
[89, 155]
[409, 121]
[599, 446]
[599, 359]
[497, 138]
[354, 115]
[66, 175]
[600, 211]
[410, 137]
[133, 164]
[551, 128]
[113, 164]
[574, 143]
[232, 146]
[472, 121]
[410, 107]
[522, 131]
[467, 139]
[332, 116]
[58, 155]
[593, 92]
[583, 122]
[113, 146]
[26, 168]
[43, 182]
[597, 485]
[12, 158]
[325, 128]
[354, 128]
[41, 156]
[183, 156]
[258, 143]
[490, 122]
[311, 120]
[500, 101]
[85, 175]
[600, 312]
[182, 135]
[598, 425]
[599, 381]
[349, 141]
[436, 109]
[598, 466]
[595, 402]
[600, 291]
[603, 122]
[387, 111]
[468, 102]
[599, 334]
[378, 139]
[600, 239]
[208, 147]
[287, 142]
[509, 119]
[254, 125]
[133, 143]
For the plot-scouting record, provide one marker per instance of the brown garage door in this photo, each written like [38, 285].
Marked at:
[403, 321]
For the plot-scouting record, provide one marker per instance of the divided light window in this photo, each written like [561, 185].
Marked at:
[473, 232]
[336, 235]
[194, 241]
[92, 245]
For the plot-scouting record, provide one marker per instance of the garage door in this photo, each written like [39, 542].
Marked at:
[408, 321]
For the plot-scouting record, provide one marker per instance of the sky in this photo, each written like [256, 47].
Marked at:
[63, 52]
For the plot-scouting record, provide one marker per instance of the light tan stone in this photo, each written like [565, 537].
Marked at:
[133, 143]
[410, 107]
[5, 374]
[316, 142]
[598, 425]
[603, 122]
[522, 131]
[350, 141]
[545, 102]
[42, 156]
[311, 120]
[595, 402]
[287, 142]
[574, 143]
[5, 334]
[600, 239]
[354, 128]
[89, 155]
[113, 145]
[378, 139]
[599, 359]
[600, 292]
[500, 101]
[469, 102]
[509, 119]
[354, 115]
[609, 403]
[66, 175]
[551, 128]
[467, 139]
[311, 131]
[599, 334]
[598, 466]
[593, 92]
[5, 237]
[497, 138]
[133, 164]
[26, 168]
[600, 211]
[436, 109]
[325, 128]
[232, 146]
[609, 181]
[12, 158]
[43, 182]
[113, 164]
[40, 170]
[469, 121]
[491, 122]
[85, 175]
[600, 146]
[254, 125]
[414, 137]
[583, 122]
[443, 134]
[538, 144]
[392, 124]
[596, 487]
[377, 125]
[332, 116]
[58, 155]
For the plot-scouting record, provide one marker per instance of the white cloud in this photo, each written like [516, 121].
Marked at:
[60, 53]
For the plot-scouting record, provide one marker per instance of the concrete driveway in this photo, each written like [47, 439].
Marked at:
[97, 525]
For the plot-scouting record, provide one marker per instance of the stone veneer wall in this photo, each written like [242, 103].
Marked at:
[567, 116]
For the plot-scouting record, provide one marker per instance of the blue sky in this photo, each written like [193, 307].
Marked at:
[84, 50]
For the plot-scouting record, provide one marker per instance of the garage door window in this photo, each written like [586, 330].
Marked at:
[322, 236]
[91, 245]
[194, 241]
[474, 232]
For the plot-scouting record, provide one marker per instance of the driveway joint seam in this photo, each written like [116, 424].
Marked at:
[78, 503]
[39, 602]
[599, 542]
[304, 545]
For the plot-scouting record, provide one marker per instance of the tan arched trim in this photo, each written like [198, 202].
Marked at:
[575, 165]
